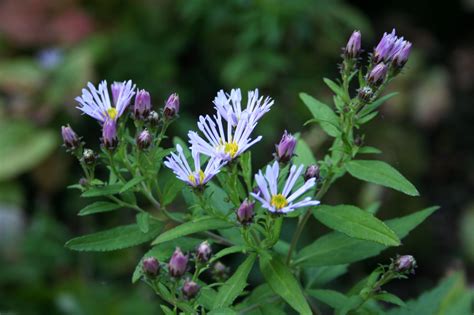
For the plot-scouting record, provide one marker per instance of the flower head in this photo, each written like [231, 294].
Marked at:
[151, 266]
[286, 148]
[405, 263]
[70, 138]
[284, 201]
[144, 139]
[312, 171]
[171, 109]
[229, 105]
[245, 212]
[180, 166]
[178, 263]
[353, 45]
[220, 144]
[190, 289]
[96, 102]
[142, 105]
[378, 73]
[203, 252]
[400, 57]
[390, 46]
[109, 134]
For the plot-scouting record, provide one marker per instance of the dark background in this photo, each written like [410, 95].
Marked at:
[49, 49]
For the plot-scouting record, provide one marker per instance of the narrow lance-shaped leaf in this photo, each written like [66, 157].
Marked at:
[234, 286]
[322, 113]
[380, 173]
[98, 207]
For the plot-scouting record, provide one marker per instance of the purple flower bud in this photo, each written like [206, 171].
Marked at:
[151, 267]
[83, 182]
[171, 109]
[378, 73]
[406, 263]
[203, 252]
[365, 94]
[153, 118]
[384, 47]
[144, 140]
[312, 171]
[109, 134]
[190, 289]
[400, 57]
[245, 212]
[353, 45]
[142, 106]
[70, 138]
[178, 263]
[89, 156]
[286, 148]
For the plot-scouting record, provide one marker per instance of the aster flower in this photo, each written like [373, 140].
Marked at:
[179, 165]
[391, 48]
[284, 201]
[96, 102]
[223, 145]
[229, 105]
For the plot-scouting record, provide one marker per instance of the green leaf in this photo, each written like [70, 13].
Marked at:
[336, 248]
[303, 153]
[203, 224]
[98, 207]
[390, 298]
[365, 119]
[332, 298]
[102, 191]
[337, 89]
[319, 276]
[113, 239]
[172, 188]
[369, 150]
[374, 105]
[356, 223]
[323, 114]
[234, 286]
[283, 283]
[228, 251]
[380, 173]
[222, 311]
[143, 221]
[132, 183]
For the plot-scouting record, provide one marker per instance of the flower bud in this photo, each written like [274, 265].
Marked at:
[171, 109]
[400, 57]
[144, 140]
[245, 212]
[365, 94]
[405, 263]
[378, 73]
[70, 138]
[89, 156]
[203, 252]
[178, 263]
[286, 148]
[153, 118]
[312, 171]
[190, 289]
[220, 271]
[384, 47]
[353, 45]
[83, 182]
[151, 267]
[142, 106]
[109, 135]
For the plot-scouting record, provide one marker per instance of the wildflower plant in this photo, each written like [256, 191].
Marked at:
[234, 210]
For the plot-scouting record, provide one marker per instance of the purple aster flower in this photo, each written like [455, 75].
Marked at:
[220, 144]
[197, 178]
[230, 108]
[96, 102]
[392, 48]
[178, 263]
[109, 134]
[377, 74]
[284, 201]
[70, 138]
[353, 45]
[142, 106]
[171, 109]
[286, 148]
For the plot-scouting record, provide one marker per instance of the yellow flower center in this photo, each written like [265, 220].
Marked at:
[192, 178]
[112, 113]
[279, 201]
[231, 148]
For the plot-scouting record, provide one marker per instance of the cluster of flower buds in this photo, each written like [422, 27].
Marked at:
[286, 148]
[392, 49]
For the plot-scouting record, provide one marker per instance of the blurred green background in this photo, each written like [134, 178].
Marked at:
[49, 49]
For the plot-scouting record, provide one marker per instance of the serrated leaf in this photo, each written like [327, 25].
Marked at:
[356, 223]
[322, 113]
[336, 248]
[280, 278]
[113, 239]
[102, 191]
[332, 298]
[203, 224]
[132, 183]
[380, 173]
[99, 207]
[234, 286]
[143, 221]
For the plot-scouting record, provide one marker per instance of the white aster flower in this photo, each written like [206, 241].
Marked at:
[225, 145]
[284, 201]
[96, 102]
[230, 108]
[180, 166]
